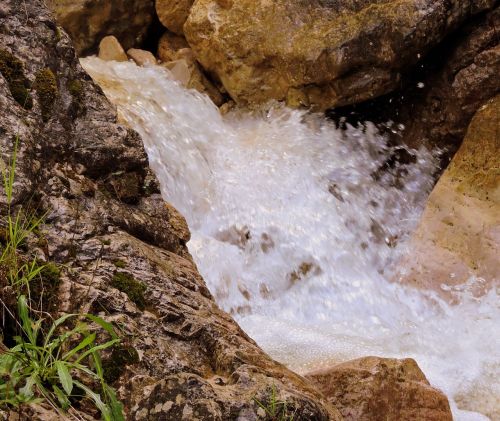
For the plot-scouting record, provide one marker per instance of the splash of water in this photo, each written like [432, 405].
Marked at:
[295, 228]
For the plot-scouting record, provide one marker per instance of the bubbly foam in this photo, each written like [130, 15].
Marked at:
[295, 227]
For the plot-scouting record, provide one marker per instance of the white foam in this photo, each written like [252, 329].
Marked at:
[270, 194]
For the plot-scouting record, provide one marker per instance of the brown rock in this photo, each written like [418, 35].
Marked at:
[141, 57]
[111, 49]
[458, 78]
[382, 389]
[181, 70]
[88, 21]
[168, 46]
[318, 53]
[459, 233]
[188, 72]
[173, 13]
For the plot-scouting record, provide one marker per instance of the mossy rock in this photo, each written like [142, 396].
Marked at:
[75, 88]
[12, 70]
[47, 91]
[115, 364]
[134, 289]
[45, 287]
[119, 264]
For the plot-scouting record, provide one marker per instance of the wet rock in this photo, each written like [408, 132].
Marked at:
[181, 70]
[121, 250]
[318, 53]
[168, 46]
[141, 57]
[439, 96]
[459, 233]
[173, 13]
[382, 389]
[111, 49]
[88, 21]
[187, 71]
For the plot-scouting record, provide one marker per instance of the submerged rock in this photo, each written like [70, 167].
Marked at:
[186, 70]
[459, 234]
[318, 53]
[382, 389]
[88, 21]
[141, 57]
[122, 252]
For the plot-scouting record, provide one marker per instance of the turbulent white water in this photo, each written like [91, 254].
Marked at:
[296, 238]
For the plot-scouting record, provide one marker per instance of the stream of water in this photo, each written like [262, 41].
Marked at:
[297, 238]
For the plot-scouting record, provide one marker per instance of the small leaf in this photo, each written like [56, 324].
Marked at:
[64, 377]
[115, 405]
[87, 340]
[27, 390]
[96, 398]
[61, 397]
[108, 327]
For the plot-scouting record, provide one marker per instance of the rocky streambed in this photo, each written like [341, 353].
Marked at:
[301, 226]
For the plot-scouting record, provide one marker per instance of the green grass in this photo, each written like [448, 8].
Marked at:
[57, 367]
[20, 271]
[48, 361]
[275, 409]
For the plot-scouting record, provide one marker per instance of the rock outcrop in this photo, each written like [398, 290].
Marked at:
[88, 21]
[459, 233]
[173, 13]
[382, 389]
[121, 250]
[318, 53]
[440, 96]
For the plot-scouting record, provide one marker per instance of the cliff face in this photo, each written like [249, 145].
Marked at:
[121, 249]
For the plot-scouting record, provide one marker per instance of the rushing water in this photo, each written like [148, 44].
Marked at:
[296, 237]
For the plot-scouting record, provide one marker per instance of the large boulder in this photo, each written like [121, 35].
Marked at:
[459, 233]
[88, 21]
[121, 250]
[440, 96]
[320, 53]
[173, 13]
[382, 389]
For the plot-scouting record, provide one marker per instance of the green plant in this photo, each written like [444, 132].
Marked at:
[275, 409]
[58, 366]
[62, 365]
[19, 271]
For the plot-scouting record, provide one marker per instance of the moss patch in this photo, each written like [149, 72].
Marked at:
[75, 88]
[114, 366]
[44, 288]
[119, 263]
[12, 70]
[134, 289]
[46, 89]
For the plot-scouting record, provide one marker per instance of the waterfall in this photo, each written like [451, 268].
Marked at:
[297, 228]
